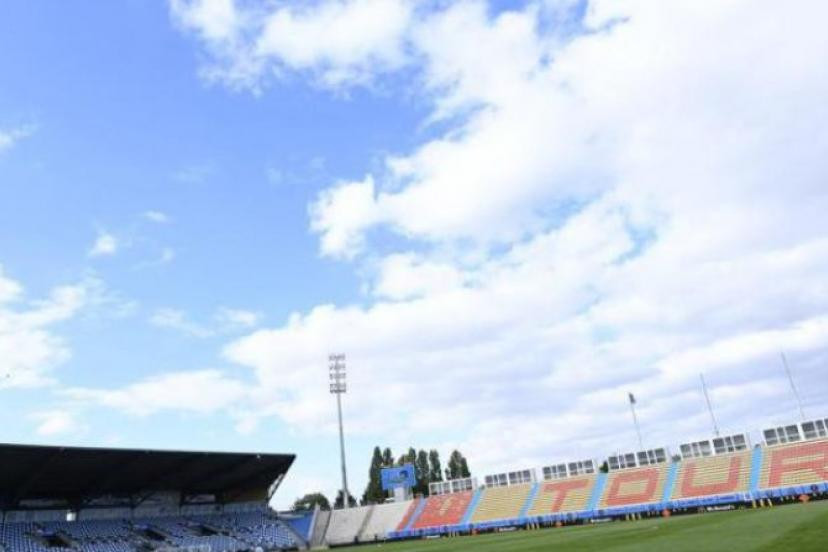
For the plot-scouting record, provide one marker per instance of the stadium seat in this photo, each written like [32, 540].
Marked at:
[635, 486]
[794, 464]
[219, 533]
[564, 495]
[713, 475]
[443, 510]
[501, 503]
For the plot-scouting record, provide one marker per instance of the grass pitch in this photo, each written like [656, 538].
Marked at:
[790, 528]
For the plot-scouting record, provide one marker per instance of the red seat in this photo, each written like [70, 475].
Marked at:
[442, 510]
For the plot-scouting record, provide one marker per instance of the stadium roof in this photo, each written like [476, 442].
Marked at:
[77, 474]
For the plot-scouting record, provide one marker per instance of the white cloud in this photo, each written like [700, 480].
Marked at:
[617, 206]
[157, 217]
[29, 348]
[224, 321]
[166, 256]
[213, 19]
[405, 275]
[10, 137]
[339, 41]
[174, 319]
[106, 244]
[340, 215]
[237, 318]
[9, 289]
[56, 422]
[346, 40]
[199, 392]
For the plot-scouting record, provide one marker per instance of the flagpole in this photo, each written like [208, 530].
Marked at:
[635, 421]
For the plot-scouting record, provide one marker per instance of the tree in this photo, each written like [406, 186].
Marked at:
[458, 467]
[409, 457]
[464, 467]
[373, 491]
[310, 501]
[423, 472]
[436, 471]
[387, 458]
[338, 502]
[604, 467]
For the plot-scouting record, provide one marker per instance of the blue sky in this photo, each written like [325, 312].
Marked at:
[507, 214]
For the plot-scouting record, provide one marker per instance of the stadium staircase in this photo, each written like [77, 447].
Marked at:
[384, 519]
[320, 527]
[361, 532]
[345, 525]
[300, 541]
[478, 494]
[414, 511]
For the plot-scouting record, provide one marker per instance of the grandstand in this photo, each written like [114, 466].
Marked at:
[792, 462]
[346, 524]
[713, 476]
[500, 503]
[65, 499]
[97, 500]
[568, 495]
[383, 518]
[443, 511]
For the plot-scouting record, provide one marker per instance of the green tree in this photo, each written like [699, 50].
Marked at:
[409, 457]
[310, 501]
[436, 471]
[373, 491]
[387, 458]
[458, 467]
[423, 472]
[464, 467]
[338, 502]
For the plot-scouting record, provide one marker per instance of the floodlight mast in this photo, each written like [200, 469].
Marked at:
[709, 406]
[793, 387]
[338, 386]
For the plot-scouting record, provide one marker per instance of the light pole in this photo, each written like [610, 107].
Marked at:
[793, 387]
[635, 420]
[709, 406]
[338, 386]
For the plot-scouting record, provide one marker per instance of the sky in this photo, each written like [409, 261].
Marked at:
[507, 215]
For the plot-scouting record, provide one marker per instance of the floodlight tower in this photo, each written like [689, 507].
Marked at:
[339, 386]
[793, 387]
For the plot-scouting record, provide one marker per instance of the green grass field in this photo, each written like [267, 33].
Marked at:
[790, 528]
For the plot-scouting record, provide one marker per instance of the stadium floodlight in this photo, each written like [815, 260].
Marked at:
[793, 387]
[709, 406]
[633, 402]
[339, 386]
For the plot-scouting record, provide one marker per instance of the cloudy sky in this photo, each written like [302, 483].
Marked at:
[508, 215]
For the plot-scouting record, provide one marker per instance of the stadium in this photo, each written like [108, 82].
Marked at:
[62, 499]
[413, 275]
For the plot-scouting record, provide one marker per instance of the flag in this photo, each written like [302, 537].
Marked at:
[632, 398]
